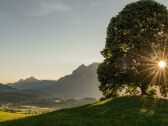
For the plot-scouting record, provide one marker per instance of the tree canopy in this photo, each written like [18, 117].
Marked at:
[136, 41]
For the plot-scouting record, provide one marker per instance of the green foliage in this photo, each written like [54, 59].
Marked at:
[133, 37]
[122, 111]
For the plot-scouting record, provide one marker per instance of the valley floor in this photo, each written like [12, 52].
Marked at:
[5, 116]
[123, 111]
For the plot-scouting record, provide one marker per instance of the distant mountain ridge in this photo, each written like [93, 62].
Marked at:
[31, 83]
[81, 83]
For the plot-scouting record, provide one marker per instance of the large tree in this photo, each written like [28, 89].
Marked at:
[136, 41]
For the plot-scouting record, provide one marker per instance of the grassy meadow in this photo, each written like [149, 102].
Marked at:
[122, 111]
[6, 116]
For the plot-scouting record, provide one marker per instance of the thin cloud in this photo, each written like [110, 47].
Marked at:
[46, 7]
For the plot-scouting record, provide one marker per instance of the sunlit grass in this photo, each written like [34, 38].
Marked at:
[5, 116]
[102, 102]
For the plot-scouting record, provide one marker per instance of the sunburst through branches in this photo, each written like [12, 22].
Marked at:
[156, 66]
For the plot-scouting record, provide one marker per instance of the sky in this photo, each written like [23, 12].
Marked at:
[48, 39]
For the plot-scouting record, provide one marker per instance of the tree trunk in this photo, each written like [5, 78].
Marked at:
[143, 92]
[144, 88]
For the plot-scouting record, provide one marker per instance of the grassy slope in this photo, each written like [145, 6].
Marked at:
[5, 116]
[124, 111]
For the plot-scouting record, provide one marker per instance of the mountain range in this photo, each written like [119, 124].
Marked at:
[31, 83]
[81, 83]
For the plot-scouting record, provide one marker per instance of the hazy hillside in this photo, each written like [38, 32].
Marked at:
[28, 97]
[81, 83]
[6, 89]
[122, 111]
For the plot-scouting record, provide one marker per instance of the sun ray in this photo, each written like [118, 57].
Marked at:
[150, 68]
[155, 63]
[150, 75]
[155, 76]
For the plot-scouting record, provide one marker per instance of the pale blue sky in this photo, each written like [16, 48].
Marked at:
[50, 38]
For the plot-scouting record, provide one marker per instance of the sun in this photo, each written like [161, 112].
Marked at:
[162, 64]
[156, 70]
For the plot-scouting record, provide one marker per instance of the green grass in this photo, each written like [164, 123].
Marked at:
[5, 116]
[123, 111]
